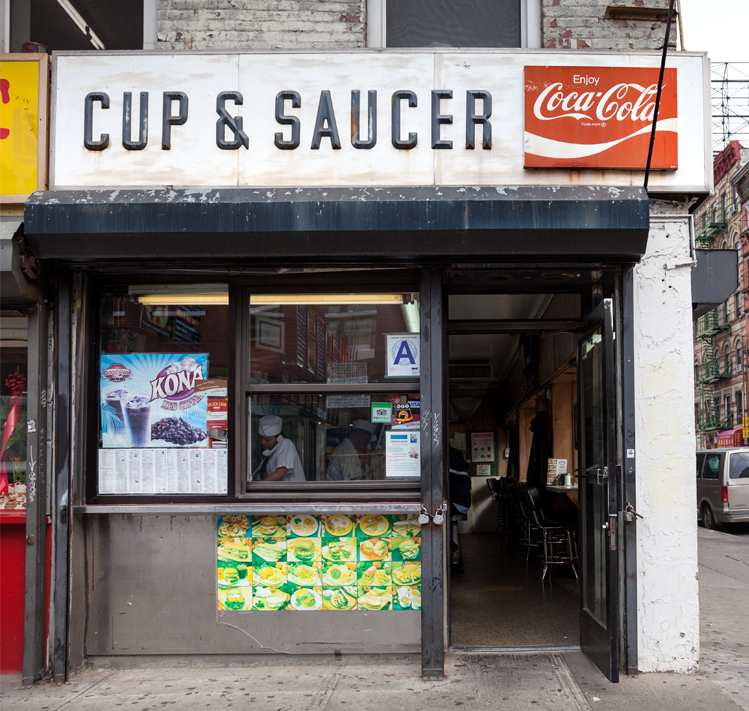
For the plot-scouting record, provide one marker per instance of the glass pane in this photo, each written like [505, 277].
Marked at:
[163, 390]
[328, 338]
[711, 470]
[739, 465]
[596, 508]
[13, 381]
[334, 438]
[453, 23]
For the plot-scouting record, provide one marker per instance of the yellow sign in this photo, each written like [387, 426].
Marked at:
[21, 159]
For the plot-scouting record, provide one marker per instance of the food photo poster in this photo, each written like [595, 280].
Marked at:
[306, 562]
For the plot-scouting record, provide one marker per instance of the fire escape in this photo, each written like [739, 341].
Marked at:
[712, 369]
[710, 372]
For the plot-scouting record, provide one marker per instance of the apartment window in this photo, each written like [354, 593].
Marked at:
[728, 410]
[697, 414]
[728, 359]
[78, 24]
[725, 311]
[737, 303]
[723, 207]
[704, 220]
[739, 358]
[739, 406]
[454, 23]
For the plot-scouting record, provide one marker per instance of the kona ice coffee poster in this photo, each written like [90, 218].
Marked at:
[307, 563]
[149, 400]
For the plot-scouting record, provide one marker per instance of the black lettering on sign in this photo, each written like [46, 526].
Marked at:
[438, 119]
[396, 119]
[325, 114]
[233, 123]
[473, 119]
[127, 122]
[167, 120]
[88, 121]
[356, 141]
[293, 121]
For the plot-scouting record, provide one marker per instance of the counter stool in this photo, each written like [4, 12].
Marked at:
[559, 546]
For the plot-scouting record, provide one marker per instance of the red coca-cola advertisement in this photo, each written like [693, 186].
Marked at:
[599, 117]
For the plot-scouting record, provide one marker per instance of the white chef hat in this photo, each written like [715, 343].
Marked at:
[363, 425]
[270, 425]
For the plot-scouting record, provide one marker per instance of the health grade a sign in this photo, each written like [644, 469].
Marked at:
[402, 352]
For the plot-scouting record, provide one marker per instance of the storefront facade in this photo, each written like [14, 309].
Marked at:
[227, 256]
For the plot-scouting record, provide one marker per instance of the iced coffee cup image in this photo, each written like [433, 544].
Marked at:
[138, 420]
[112, 414]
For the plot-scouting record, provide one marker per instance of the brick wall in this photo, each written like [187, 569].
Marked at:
[261, 24]
[606, 24]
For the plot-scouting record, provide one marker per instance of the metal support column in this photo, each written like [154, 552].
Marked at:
[36, 499]
[630, 470]
[433, 466]
[61, 498]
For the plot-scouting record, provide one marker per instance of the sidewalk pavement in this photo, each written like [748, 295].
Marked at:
[516, 682]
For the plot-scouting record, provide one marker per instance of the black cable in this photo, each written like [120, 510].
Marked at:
[658, 93]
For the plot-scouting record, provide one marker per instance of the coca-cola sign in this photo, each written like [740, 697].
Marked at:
[599, 117]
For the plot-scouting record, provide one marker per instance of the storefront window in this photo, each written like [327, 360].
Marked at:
[313, 413]
[335, 438]
[13, 380]
[328, 338]
[163, 397]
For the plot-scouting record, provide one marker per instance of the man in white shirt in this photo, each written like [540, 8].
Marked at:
[280, 458]
[344, 461]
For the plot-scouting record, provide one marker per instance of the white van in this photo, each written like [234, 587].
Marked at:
[723, 486]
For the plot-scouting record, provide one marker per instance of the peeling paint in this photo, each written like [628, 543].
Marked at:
[668, 605]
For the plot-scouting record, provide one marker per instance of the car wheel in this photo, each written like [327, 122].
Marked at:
[708, 519]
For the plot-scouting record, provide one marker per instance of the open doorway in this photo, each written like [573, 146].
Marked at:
[513, 395]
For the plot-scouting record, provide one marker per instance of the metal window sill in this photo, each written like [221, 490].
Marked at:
[248, 508]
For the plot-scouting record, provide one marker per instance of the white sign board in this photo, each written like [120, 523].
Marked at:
[402, 454]
[402, 353]
[285, 120]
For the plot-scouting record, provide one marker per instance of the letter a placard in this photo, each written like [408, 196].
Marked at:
[402, 351]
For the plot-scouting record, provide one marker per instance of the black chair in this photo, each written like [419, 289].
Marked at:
[528, 535]
[559, 546]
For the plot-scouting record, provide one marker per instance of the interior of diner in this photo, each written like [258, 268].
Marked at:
[512, 407]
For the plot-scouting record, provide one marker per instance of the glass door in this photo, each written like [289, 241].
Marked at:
[599, 618]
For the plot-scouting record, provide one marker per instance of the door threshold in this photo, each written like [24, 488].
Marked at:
[525, 649]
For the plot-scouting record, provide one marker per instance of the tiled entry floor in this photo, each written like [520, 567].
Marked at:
[497, 603]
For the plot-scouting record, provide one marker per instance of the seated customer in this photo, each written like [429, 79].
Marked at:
[345, 462]
[460, 502]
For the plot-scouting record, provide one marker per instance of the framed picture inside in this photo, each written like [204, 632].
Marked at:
[270, 334]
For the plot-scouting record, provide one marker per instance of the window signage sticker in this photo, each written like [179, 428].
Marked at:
[382, 412]
[402, 352]
[402, 454]
[150, 400]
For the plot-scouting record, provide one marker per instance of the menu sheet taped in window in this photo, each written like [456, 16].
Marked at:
[307, 563]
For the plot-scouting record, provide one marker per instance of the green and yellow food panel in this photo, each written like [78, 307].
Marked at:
[307, 562]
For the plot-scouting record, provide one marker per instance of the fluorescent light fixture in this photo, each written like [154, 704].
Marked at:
[82, 24]
[218, 294]
[325, 299]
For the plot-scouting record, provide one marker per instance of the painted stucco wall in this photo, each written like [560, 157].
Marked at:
[668, 605]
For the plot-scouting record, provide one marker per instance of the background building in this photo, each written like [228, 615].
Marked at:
[720, 334]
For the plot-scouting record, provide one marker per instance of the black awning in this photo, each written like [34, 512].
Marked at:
[433, 223]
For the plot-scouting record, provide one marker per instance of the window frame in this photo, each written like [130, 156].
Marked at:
[239, 388]
[530, 24]
[408, 490]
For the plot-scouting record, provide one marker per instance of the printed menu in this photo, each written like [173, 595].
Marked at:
[306, 562]
[163, 471]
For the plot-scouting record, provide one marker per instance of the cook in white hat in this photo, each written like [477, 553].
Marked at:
[280, 459]
[345, 462]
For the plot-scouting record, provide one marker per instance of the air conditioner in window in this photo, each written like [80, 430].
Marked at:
[731, 209]
[738, 367]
